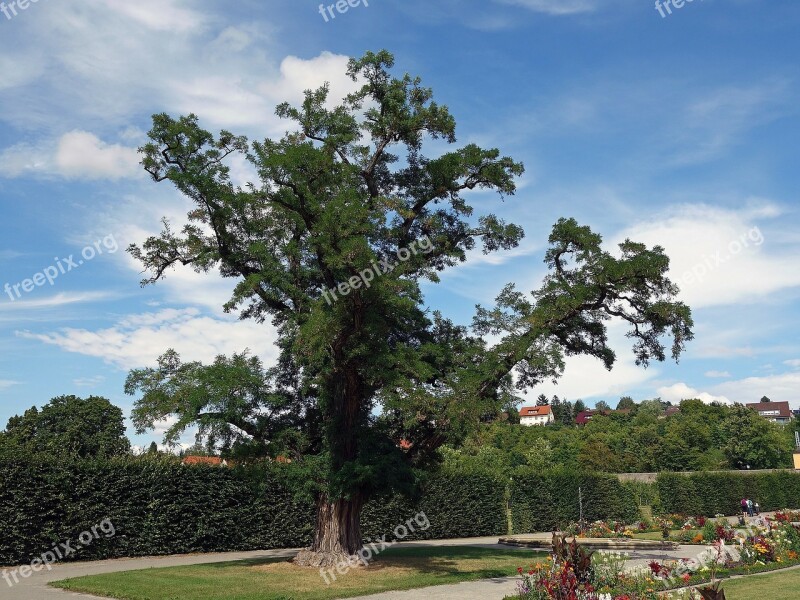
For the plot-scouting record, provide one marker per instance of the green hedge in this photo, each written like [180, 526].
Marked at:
[161, 507]
[459, 504]
[157, 507]
[543, 501]
[712, 493]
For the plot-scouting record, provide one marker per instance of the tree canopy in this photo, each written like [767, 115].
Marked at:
[700, 437]
[70, 426]
[324, 245]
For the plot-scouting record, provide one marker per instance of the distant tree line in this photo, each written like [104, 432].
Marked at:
[700, 437]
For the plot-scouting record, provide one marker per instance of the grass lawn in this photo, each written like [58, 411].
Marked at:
[394, 569]
[774, 586]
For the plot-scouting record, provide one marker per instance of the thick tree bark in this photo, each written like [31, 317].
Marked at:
[337, 538]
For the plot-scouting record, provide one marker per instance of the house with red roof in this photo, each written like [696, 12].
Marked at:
[535, 415]
[777, 412]
[583, 417]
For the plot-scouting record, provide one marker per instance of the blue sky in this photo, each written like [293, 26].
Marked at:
[678, 130]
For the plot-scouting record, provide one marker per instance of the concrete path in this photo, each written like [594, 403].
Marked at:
[36, 588]
[497, 589]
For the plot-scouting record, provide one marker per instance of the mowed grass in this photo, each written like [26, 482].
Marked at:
[772, 586]
[394, 569]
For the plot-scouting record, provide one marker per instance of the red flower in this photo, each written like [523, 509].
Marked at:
[519, 570]
[686, 577]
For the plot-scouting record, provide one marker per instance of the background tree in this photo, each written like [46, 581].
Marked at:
[753, 441]
[626, 403]
[542, 400]
[579, 406]
[70, 426]
[602, 405]
[348, 193]
[765, 399]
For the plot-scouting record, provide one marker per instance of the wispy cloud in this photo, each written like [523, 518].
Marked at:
[7, 383]
[137, 340]
[57, 300]
[555, 7]
[89, 382]
[717, 374]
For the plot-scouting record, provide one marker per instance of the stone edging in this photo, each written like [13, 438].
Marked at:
[595, 543]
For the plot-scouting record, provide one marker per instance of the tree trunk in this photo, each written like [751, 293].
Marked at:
[337, 538]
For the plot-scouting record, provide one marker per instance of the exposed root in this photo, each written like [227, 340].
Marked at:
[310, 558]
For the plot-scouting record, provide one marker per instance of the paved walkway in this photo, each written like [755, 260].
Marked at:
[36, 588]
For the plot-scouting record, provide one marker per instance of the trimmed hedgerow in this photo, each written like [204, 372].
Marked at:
[543, 501]
[722, 492]
[159, 506]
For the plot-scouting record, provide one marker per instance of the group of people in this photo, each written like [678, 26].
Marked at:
[750, 508]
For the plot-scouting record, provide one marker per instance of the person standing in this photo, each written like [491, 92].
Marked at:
[749, 507]
[757, 508]
[744, 507]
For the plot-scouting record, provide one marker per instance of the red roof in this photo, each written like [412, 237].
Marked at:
[585, 416]
[534, 411]
[779, 410]
[214, 461]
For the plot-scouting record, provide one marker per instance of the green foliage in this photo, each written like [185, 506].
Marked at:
[754, 442]
[700, 437]
[712, 493]
[69, 426]
[349, 187]
[544, 501]
[159, 506]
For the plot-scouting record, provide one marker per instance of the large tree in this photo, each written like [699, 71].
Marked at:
[70, 426]
[331, 244]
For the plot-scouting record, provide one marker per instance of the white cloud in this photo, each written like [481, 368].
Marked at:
[585, 377]
[101, 68]
[718, 374]
[62, 299]
[555, 7]
[781, 387]
[81, 154]
[720, 256]
[681, 391]
[794, 363]
[7, 383]
[75, 155]
[88, 382]
[158, 15]
[138, 340]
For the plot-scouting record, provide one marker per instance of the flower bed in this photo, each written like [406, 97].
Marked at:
[575, 573]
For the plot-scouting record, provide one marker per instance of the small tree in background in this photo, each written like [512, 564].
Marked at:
[602, 405]
[71, 426]
[626, 403]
